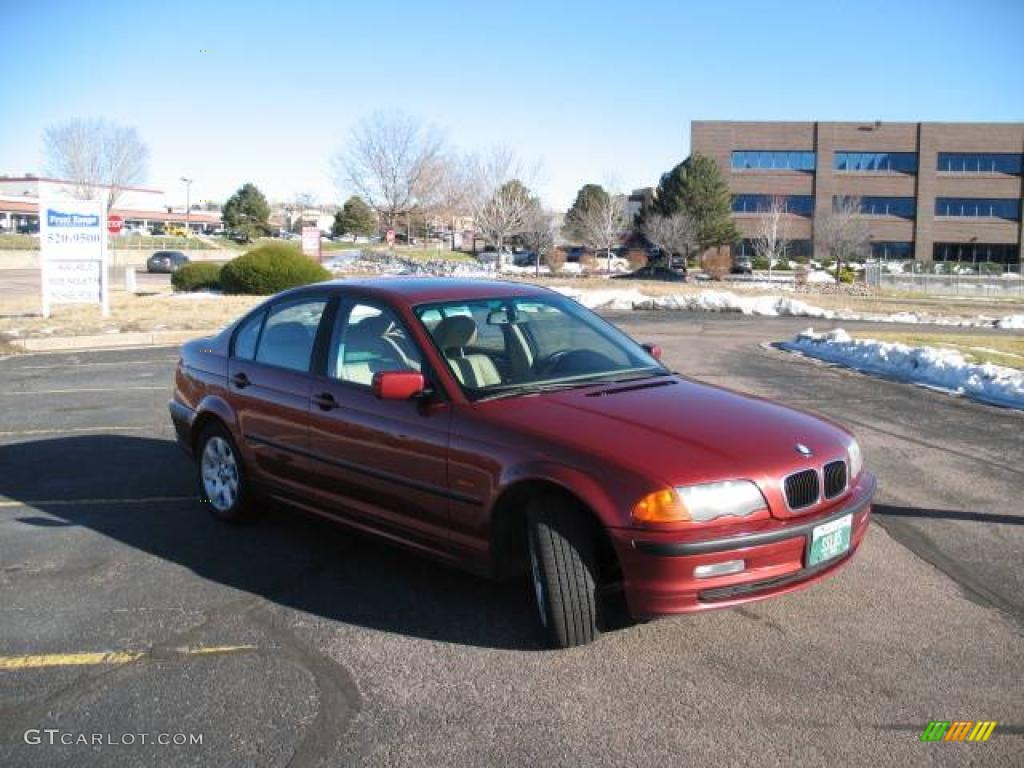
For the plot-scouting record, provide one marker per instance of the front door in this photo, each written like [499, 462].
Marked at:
[379, 463]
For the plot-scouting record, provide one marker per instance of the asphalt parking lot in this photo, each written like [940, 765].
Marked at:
[126, 609]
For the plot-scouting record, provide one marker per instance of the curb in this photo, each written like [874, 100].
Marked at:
[109, 340]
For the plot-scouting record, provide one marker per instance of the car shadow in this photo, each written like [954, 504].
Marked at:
[296, 561]
[886, 510]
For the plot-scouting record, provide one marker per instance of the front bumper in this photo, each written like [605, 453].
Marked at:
[659, 569]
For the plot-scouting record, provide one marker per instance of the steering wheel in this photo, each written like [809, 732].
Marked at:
[572, 361]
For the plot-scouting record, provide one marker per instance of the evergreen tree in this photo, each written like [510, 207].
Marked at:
[247, 212]
[696, 187]
[354, 218]
[590, 197]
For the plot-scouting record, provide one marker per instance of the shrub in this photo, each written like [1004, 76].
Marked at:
[588, 262]
[847, 275]
[637, 258]
[555, 259]
[270, 268]
[197, 276]
[717, 263]
[759, 262]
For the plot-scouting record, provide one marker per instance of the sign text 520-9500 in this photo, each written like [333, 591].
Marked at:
[75, 237]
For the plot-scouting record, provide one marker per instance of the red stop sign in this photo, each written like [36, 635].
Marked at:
[114, 223]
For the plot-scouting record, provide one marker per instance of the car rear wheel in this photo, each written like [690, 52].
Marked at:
[562, 571]
[222, 480]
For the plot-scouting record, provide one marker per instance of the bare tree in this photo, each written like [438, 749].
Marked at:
[392, 162]
[770, 241]
[600, 223]
[538, 232]
[96, 156]
[672, 234]
[843, 231]
[499, 200]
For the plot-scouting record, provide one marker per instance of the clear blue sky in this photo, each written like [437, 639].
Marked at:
[592, 90]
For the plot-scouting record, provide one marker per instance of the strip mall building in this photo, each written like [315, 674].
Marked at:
[138, 206]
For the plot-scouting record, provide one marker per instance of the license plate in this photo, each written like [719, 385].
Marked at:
[829, 540]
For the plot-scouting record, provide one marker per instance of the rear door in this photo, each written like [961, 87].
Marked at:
[269, 387]
[380, 463]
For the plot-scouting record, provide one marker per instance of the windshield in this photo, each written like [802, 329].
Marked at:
[521, 344]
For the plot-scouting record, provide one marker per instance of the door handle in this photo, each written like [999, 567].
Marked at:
[240, 380]
[325, 401]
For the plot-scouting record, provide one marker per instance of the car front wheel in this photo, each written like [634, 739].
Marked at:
[222, 479]
[563, 573]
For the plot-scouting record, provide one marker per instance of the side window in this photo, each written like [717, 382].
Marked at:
[289, 333]
[245, 338]
[369, 339]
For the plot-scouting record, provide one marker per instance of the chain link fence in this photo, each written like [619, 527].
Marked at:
[947, 278]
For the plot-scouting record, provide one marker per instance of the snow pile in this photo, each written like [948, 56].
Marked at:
[944, 369]
[606, 299]
[723, 301]
[820, 276]
[768, 306]
[1011, 321]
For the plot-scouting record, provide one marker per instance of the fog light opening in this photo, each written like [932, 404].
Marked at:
[719, 569]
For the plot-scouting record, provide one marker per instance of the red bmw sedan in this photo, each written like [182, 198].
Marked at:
[506, 429]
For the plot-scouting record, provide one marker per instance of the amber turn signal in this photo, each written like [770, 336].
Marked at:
[660, 507]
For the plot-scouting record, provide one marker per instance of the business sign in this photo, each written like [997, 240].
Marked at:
[73, 252]
[311, 242]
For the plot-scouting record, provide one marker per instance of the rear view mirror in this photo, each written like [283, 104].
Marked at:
[653, 350]
[398, 385]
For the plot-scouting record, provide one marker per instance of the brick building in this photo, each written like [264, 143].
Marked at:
[930, 191]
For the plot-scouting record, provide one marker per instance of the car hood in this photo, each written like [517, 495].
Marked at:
[675, 430]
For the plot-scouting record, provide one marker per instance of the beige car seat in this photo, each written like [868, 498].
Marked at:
[453, 335]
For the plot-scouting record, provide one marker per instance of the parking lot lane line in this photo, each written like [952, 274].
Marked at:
[87, 365]
[77, 391]
[5, 503]
[55, 430]
[42, 661]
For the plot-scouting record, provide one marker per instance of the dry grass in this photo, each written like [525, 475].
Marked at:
[19, 317]
[127, 313]
[881, 303]
[1002, 350]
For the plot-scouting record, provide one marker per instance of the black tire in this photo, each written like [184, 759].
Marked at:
[562, 571]
[233, 508]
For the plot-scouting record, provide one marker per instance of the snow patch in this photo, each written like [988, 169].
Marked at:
[944, 369]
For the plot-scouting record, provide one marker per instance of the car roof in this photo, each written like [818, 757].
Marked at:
[427, 290]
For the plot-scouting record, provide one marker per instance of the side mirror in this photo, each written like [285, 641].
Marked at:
[398, 385]
[653, 350]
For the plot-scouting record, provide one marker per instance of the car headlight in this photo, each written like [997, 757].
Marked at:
[700, 503]
[856, 459]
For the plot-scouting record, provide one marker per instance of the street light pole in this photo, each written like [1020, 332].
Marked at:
[188, 206]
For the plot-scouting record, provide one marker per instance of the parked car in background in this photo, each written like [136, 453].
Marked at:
[742, 265]
[166, 261]
[506, 429]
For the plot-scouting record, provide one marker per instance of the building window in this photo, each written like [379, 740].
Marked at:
[889, 250]
[1000, 253]
[978, 207]
[902, 207]
[761, 160]
[795, 249]
[980, 162]
[798, 205]
[890, 162]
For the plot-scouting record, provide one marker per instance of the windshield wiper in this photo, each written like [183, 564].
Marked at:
[515, 390]
[534, 389]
